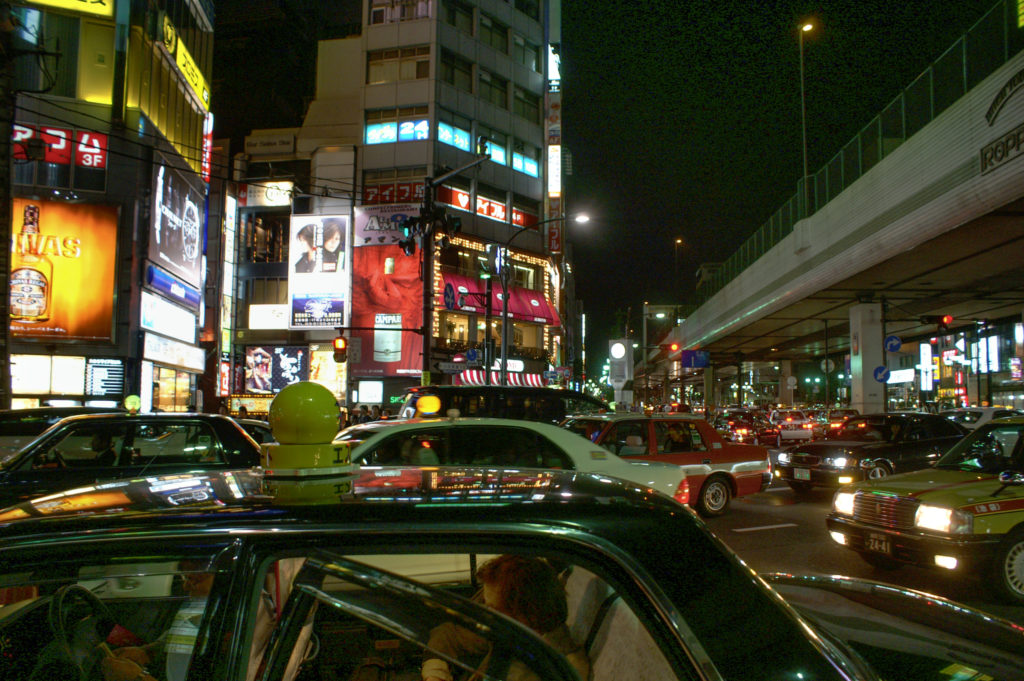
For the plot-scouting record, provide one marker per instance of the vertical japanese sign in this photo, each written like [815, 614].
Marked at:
[387, 294]
[316, 272]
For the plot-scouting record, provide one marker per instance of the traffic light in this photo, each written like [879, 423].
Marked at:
[410, 227]
[341, 349]
[489, 267]
[942, 322]
[670, 347]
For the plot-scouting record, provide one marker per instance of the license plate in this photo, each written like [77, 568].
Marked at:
[801, 474]
[879, 543]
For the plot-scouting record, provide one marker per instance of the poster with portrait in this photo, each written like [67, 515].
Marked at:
[62, 270]
[268, 369]
[316, 271]
[176, 242]
[387, 294]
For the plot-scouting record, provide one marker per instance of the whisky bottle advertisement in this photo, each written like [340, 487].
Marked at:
[61, 282]
[31, 272]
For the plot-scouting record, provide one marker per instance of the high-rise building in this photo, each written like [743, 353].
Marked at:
[404, 109]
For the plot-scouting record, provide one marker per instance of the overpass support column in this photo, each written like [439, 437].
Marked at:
[709, 390]
[866, 394]
[785, 384]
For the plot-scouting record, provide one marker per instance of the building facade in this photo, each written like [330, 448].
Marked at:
[110, 150]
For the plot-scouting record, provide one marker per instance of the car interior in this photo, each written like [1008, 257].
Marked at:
[355, 617]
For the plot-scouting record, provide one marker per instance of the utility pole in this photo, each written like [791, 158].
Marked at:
[7, 103]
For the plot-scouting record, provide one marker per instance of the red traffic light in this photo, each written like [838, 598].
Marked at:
[340, 349]
[670, 347]
[946, 319]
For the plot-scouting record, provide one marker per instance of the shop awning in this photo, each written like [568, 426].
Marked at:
[523, 304]
[477, 377]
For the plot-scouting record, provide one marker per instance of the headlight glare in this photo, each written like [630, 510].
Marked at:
[783, 457]
[942, 519]
[842, 502]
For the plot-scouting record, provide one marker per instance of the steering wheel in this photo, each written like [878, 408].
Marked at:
[79, 641]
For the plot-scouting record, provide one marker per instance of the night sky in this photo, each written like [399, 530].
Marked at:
[683, 120]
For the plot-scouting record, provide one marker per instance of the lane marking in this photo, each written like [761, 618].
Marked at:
[764, 527]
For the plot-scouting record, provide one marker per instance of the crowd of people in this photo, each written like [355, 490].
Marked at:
[362, 414]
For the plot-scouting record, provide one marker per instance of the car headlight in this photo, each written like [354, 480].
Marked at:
[842, 502]
[942, 519]
[840, 462]
[783, 457]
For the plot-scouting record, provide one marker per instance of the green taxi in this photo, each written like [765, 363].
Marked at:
[965, 513]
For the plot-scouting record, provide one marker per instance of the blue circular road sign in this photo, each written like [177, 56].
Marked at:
[881, 374]
[449, 296]
[893, 343]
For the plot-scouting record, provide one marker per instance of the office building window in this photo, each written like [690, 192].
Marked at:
[391, 11]
[388, 66]
[526, 53]
[527, 105]
[493, 33]
[456, 71]
[497, 144]
[530, 8]
[458, 14]
[493, 89]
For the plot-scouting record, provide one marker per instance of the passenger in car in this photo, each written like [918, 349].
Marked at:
[526, 589]
[102, 444]
[678, 441]
[171, 652]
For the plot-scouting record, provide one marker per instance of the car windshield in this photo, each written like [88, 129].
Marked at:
[963, 417]
[990, 449]
[867, 430]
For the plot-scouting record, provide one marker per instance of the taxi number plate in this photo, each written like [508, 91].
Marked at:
[879, 543]
[801, 474]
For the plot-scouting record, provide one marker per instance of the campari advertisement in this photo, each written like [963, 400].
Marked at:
[62, 270]
[387, 294]
[316, 273]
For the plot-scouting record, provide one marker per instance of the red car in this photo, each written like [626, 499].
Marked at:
[717, 469]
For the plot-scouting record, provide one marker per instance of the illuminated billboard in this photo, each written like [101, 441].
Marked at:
[62, 270]
[268, 369]
[316, 273]
[387, 294]
[176, 242]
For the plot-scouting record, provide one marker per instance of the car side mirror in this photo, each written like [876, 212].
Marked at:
[1011, 479]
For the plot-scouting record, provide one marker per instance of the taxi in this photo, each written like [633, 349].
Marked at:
[312, 567]
[717, 470]
[964, 514]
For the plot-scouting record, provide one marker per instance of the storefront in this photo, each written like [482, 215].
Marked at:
[169, 372]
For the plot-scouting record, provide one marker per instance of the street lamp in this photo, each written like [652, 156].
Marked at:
[675, 272]
[803, 113]
[503, 274]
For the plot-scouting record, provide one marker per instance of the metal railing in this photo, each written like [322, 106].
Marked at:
[984, 48]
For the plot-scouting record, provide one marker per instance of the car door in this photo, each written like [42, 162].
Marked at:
[70, 457]
[916, 444]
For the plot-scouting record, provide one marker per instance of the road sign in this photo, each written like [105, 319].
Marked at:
[451, 367]
[551, 375]
[881, 374]
[449, 296]
[790, 381]
[828, 366]
[893, 343]
[472, 355]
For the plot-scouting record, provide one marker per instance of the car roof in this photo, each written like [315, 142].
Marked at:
[396, 491]
[632, 416]
[439, 422]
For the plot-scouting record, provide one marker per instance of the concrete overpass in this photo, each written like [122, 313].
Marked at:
[934, 226]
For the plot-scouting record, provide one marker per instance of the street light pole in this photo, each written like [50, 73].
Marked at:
[503, 273]
[803, 115]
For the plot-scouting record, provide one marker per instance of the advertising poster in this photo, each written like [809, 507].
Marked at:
[387, 294]
[62, 270]
[316, 271]
[268, 369]
[176, 243]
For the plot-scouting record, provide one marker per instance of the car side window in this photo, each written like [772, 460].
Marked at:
[500, 446]
[427, 447]
[913, 431]
[940, 427]
[163, 444]
[86, 445]
[628, 438]
[403, 612]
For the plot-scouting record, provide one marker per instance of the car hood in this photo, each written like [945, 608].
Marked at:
[846, 446]
[949, 487]
[939, 634]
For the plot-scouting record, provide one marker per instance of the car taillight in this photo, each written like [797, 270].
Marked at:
[808, 426]
[682, 494]
[742, 431]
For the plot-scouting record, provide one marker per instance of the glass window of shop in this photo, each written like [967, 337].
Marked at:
[455, 327]
[172, 389]
[264, 236]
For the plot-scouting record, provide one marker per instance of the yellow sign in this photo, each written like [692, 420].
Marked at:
[186, 65]
[102, 8]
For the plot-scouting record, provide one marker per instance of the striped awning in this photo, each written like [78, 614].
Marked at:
[477, 377]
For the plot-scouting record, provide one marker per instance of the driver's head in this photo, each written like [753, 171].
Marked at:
[100, 441]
